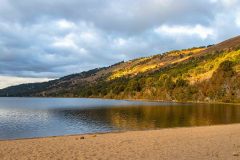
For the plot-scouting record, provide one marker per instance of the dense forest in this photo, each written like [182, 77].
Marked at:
[199, 74]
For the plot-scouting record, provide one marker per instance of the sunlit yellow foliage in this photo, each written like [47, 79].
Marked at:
[205, 69]
[133, 71]
[195, 50]
[237, 68]
[180, 60]
[139, 66]
[186, 52]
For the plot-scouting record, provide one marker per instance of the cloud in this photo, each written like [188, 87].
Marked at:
[197, 30]
[237, 19]
[48, 39]
[226, 3]
[6, 81]
[64, 24]
[119, 16]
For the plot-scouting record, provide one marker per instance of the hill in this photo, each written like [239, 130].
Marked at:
[209, 74]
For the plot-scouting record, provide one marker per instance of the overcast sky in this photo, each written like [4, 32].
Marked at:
[46, 39]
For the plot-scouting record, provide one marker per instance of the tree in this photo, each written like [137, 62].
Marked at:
[227, 68]
[169, 84]
[181, 83]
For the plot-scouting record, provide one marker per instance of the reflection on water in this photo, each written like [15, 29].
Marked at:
[31, 117]
[150, 117]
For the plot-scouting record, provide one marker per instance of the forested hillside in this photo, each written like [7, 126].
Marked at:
[209, 74]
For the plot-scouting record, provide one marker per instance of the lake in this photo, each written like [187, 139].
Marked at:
[41, 117]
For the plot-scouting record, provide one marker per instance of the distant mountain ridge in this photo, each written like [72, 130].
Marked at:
[206, 74]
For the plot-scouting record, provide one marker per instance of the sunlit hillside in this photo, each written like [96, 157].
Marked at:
[152, 63]
[203, 74]
[205, 69]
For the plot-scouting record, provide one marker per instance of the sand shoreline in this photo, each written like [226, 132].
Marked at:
[210, 142]
[114, 132]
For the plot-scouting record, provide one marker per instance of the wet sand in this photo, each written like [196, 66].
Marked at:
[197, 143]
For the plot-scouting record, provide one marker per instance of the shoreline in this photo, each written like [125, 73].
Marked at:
[204, 142]
[117, 132]
[140, 100]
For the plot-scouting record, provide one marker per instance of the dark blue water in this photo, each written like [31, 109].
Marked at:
[40, 117]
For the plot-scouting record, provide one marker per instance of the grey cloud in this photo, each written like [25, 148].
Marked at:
[49, 39]
[124, 15]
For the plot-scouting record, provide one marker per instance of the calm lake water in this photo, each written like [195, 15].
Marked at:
[40, 117]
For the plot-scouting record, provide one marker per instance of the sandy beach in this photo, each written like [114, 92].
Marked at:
[197, 143]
